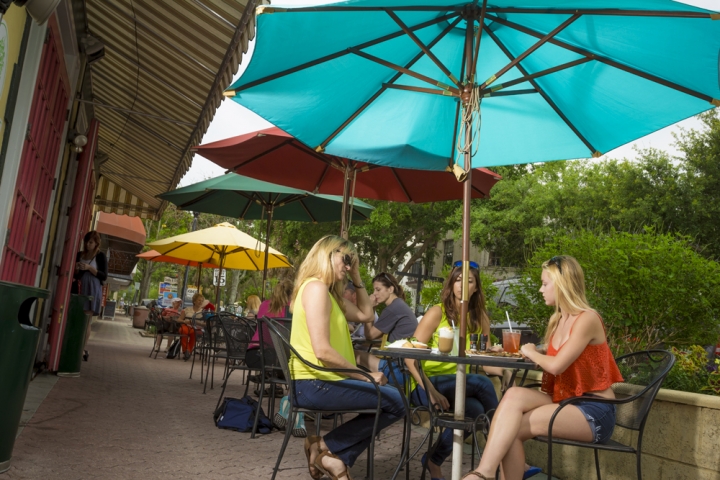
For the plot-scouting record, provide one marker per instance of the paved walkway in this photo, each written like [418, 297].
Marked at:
[132, 417]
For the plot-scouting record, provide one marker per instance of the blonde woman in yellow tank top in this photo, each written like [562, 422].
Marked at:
[321, 335]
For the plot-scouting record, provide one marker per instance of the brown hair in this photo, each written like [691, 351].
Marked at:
[91, 235]
[569, 282]
[478, 320]
[281, 296]
[253, 303]
[389, 281]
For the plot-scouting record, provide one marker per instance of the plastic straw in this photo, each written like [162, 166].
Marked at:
[508, 317]
[452, 323]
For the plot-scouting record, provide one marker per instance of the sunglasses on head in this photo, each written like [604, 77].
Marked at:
[556, 261]
[474, 265]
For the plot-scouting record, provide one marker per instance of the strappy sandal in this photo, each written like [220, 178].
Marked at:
[309, 442]
[318, 464]
[477, 474]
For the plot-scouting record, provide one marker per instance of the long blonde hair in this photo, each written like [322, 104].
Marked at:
[252, 303]
[569, 283]
[280, 297]
[318, 264]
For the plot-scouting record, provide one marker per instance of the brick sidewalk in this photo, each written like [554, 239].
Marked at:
[132, 417]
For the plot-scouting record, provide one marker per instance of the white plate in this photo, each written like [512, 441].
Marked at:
[493, 356]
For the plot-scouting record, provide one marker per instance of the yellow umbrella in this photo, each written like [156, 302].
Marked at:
[222, 245]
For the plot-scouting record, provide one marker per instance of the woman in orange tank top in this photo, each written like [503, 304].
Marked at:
[578, 361]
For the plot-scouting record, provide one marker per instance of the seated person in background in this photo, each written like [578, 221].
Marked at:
[397, 320]
[172, 311]
[252, 305]
[188, 341]
[578, 361]
[277, 306]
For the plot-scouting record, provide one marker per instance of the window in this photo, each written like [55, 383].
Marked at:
[448, 249]
[493, 260]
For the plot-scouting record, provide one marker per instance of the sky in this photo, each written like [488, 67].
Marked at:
[232, 119]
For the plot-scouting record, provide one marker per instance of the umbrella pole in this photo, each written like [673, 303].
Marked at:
[459, 410]
[346, 203]
[267, 249]
[217, 287]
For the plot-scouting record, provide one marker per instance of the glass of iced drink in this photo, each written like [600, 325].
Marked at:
[511, 341]
[446, 340]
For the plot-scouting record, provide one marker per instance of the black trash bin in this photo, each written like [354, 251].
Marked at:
[18, 344]
[74, 338]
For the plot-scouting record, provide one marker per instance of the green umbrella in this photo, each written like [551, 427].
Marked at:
[235, 196]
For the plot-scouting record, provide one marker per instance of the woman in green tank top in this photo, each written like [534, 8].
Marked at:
[320, 334]
[480, 396]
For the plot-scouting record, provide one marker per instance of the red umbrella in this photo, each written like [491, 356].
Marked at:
[275, 156]
[154, 256]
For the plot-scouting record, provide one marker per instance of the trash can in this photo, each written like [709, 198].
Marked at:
[18, 344]
[74, 338]
[139, 316]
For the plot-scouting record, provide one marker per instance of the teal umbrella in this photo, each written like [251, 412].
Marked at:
[235, 196]
[436, 84]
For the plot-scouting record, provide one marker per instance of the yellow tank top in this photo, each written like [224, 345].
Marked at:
[433, 368]
[300, 339]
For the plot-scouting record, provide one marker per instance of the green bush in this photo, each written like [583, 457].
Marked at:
[652, 290]
[691, 372]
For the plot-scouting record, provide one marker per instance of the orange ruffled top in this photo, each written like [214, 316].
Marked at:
[594, 370]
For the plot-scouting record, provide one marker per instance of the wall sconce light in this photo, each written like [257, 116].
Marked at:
[77, 141]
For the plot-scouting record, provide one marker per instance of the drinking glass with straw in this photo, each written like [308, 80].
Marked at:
[511, 338]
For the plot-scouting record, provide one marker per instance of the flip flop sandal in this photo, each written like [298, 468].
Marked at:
[531, 472]
[477, 474]
[318, 464]
[309, 442]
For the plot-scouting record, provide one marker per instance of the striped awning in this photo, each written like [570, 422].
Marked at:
[156, 90]
[112, 198]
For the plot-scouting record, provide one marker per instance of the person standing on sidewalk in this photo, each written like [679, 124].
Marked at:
[90, 274]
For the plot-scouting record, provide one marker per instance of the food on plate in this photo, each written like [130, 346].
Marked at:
[406, 343]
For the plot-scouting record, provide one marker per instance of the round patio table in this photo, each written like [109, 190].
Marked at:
[397, 354]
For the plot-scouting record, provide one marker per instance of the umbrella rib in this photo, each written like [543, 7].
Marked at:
[260, 155]
[402, 185]
[444, 93]
[312, 152]
[184, 206]
[542, 73]
[609, 12]
[530, 50]
[483, 194]
[510, 93]
[481, 27]
[395, 77]
[269, 9]
[423, 47]
[406, 71]
[307, 210]
[609, 62]
[545, 95]
[341, 53]
[247, 204]
[454, 138]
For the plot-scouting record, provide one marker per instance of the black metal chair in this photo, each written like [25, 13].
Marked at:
[644, 373]
[272, 375]
[281, 339]
[201, 342]
[237, 334]
[165, 327]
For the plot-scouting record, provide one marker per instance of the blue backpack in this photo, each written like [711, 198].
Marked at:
[239, 415]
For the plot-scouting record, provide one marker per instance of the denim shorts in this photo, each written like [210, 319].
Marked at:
[601, 417]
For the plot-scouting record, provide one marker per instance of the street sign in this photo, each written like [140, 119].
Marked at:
[222, 277]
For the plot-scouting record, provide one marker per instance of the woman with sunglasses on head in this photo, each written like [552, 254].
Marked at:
[320, 334]
[479, 390]
[578, 361]
[396, 320]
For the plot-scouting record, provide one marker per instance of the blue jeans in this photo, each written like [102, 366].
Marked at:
[351, 438]
[480, 397]
[397, 376]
